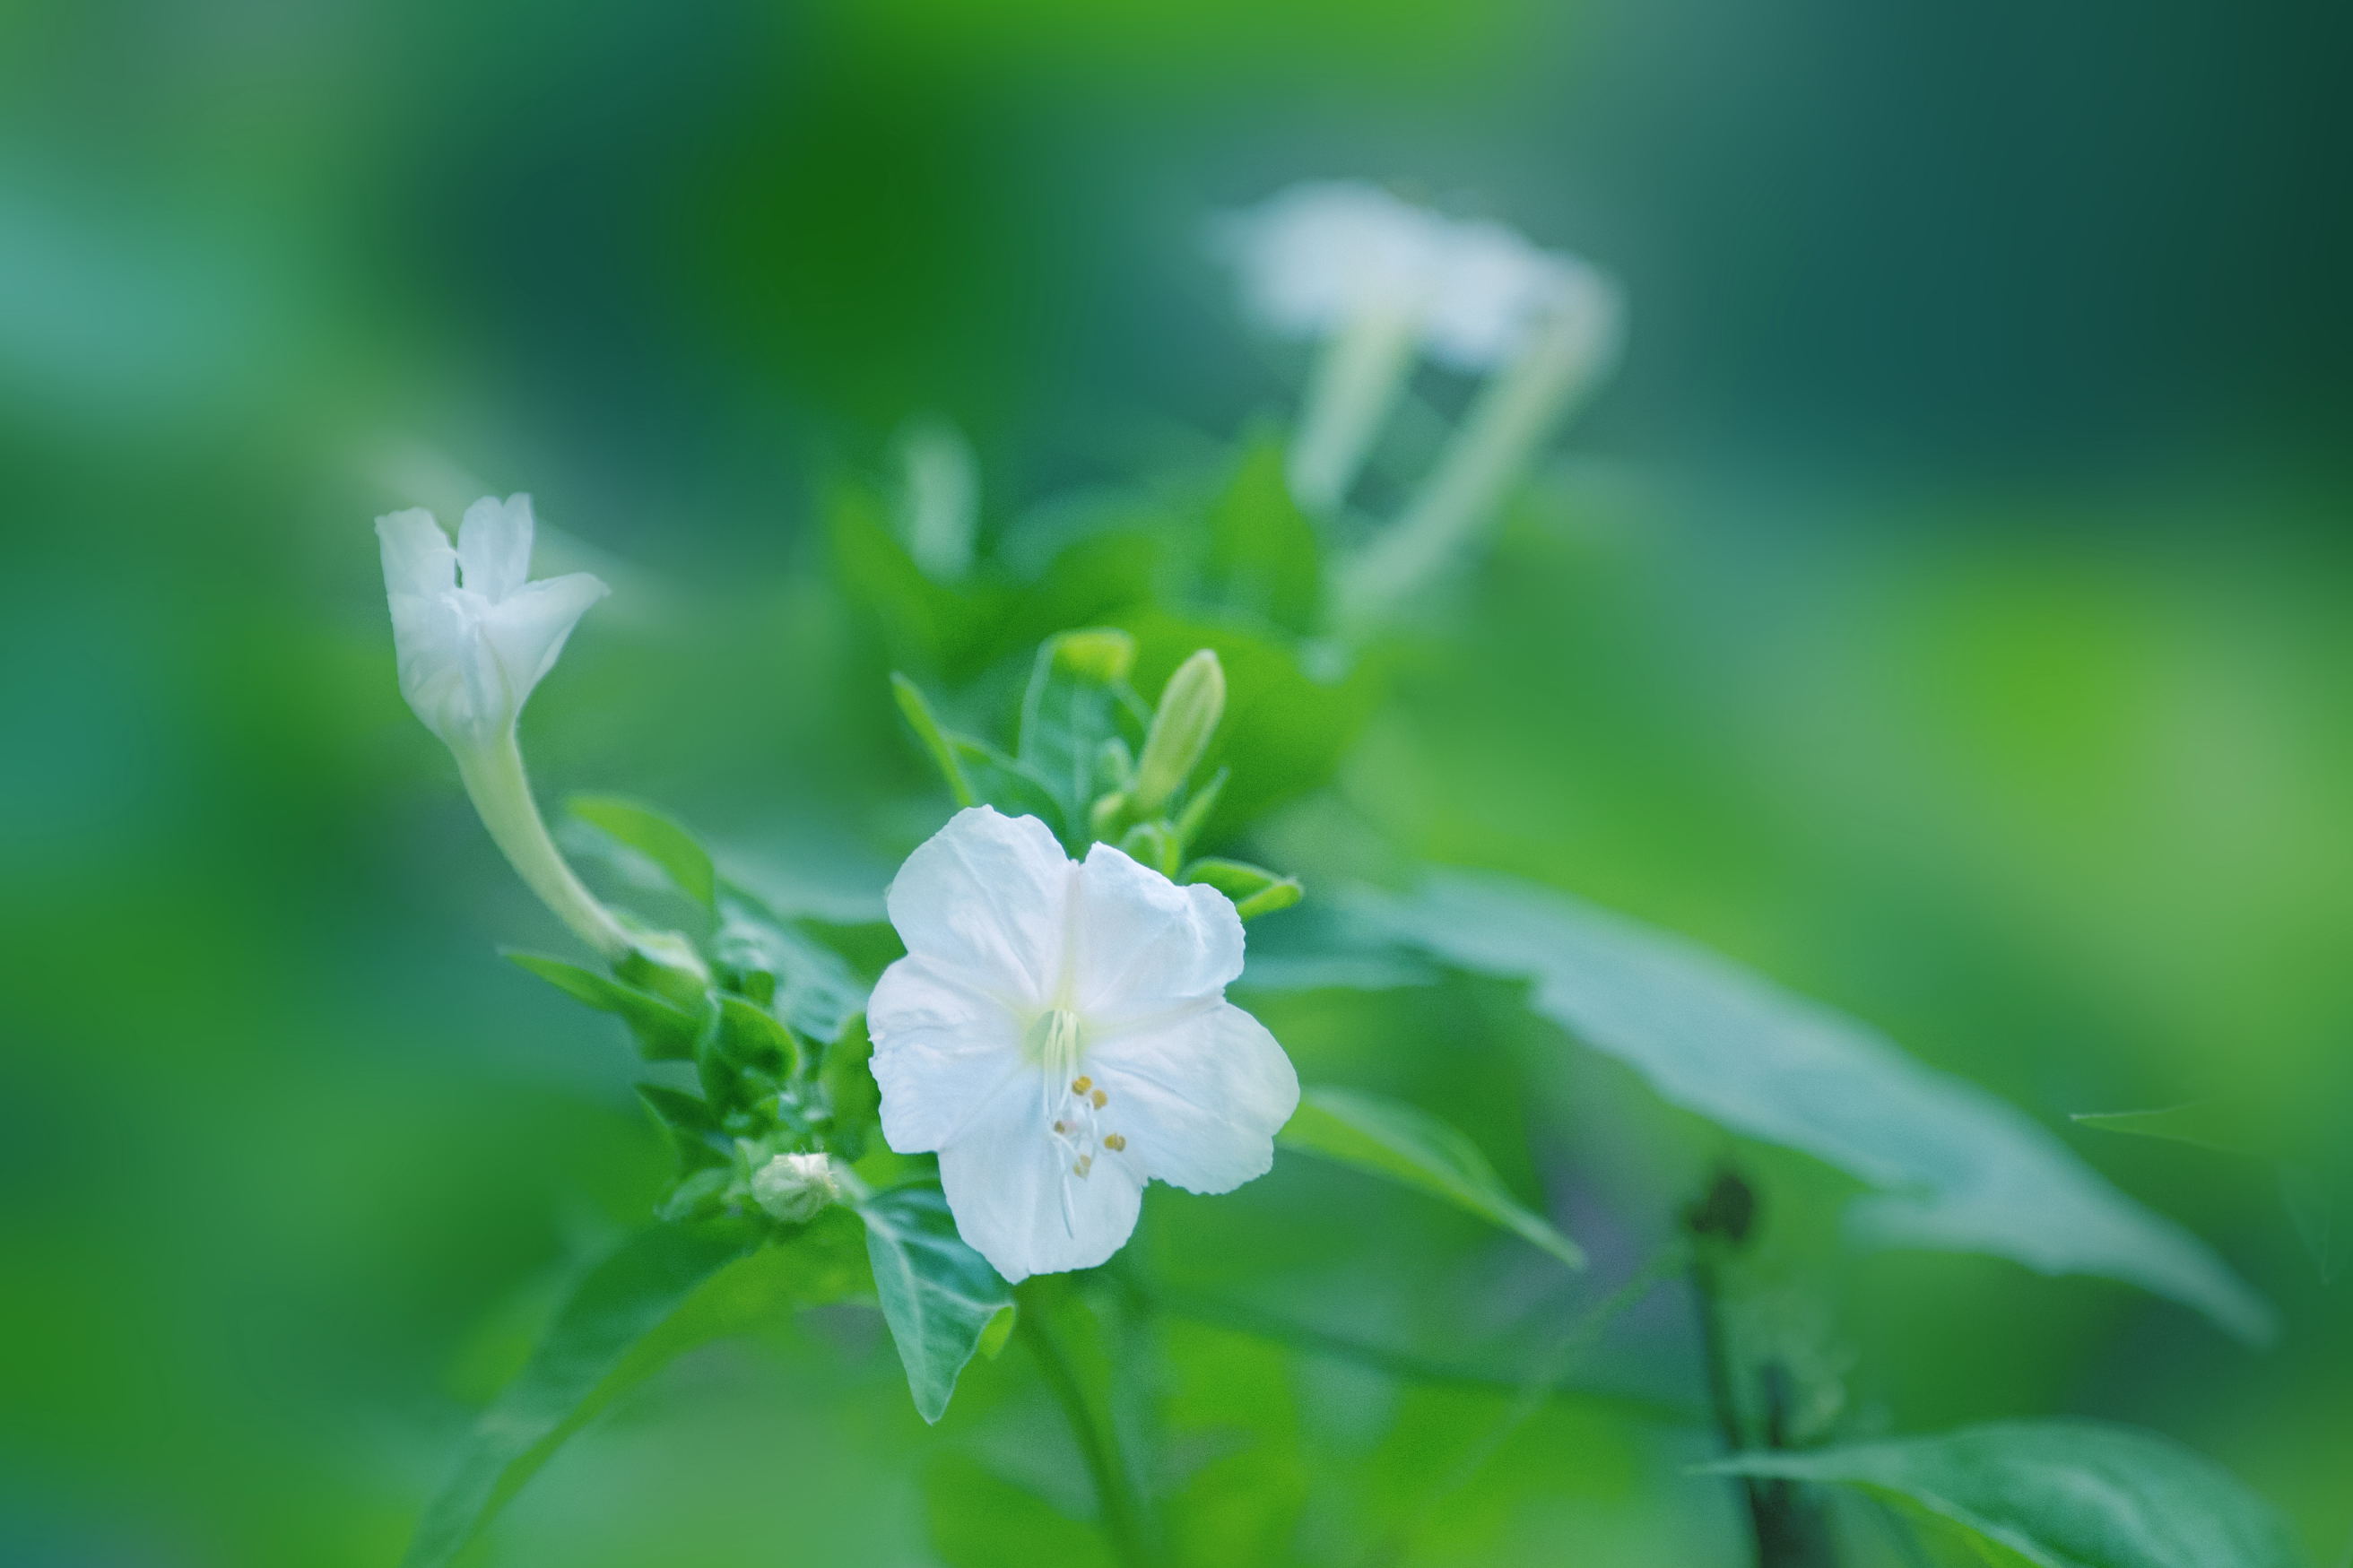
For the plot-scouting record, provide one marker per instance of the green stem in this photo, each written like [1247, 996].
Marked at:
[1716, 1358]
[501, 790]
[1115, 1499]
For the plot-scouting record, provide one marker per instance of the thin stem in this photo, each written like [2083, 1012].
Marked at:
[1358, 377]
[1518, 407]
[501, 790]
[1716, 1358]
[1122, 1516]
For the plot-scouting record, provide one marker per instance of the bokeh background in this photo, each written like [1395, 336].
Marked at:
[1949, 610]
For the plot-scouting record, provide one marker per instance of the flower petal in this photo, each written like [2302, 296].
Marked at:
[1199, 1098]
[942, 1049]
[1141, 944]
[526, 630]
[985, 896]
[418, 560]
[494, 545]
[1016, 1199]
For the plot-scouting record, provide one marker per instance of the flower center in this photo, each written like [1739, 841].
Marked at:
[1072, 1102]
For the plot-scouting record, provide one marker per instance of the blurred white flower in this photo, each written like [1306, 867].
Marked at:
[474, 636]
[1058, 1034]
[1316, 257]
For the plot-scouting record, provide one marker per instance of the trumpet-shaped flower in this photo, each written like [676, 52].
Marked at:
[1058, 1034]
[473, 635]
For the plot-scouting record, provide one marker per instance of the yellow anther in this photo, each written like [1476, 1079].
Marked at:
[1081, 1084]
[1099, 1099]
[1115, 1142]
[1085, 1161]
[1061, 1127]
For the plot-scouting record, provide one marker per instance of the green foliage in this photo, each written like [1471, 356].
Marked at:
[1254, 890]
[1265, 559]
[853, 1098]
[1954, 1168]
[679, 853]
[2058, 1494]
[1410, 1146]
[601, 1342]
[939, 1295]
[664, 1032]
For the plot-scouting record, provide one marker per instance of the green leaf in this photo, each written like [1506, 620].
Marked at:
[664, 1033]
[1956, 1169]
[938, 1295]
[917, 710]
[1070, 711]
[1264, 556]
[680, 855]
[2058, 1494]
[750, 1035]
[850, 1091]
[583, 1361]
[1412, 1147]
[816, 988]
[1254, 890]
[702, 1142]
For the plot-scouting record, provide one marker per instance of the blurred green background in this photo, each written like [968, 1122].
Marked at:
[1947, 611]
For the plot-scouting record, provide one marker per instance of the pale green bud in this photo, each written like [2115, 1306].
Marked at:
[796, 1188]
[1181, 729]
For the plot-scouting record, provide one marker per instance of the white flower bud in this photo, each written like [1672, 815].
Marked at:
[795, 1188]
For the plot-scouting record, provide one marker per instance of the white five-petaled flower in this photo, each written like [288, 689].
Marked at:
[473, 635]
[1058, 1034]
[1323, 255]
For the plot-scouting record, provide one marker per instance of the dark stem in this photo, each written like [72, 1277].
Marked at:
[1716, 1357]
[1122, 1518]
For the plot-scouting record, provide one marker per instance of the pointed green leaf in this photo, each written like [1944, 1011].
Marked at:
[2058, 1494]
[938, 1295]
[1956, 1169]
[664, 1033]
[1254, 890]
[678, 852]
[1413, 1147]
[917, 710]
[2205, 1124]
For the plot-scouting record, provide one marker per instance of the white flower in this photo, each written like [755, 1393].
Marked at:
[1058, 1033]
[474, 636]
[1320, 256]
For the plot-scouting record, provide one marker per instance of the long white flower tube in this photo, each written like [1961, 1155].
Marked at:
[474, 636]
[1565, 353]
[1058, 1034]
[1379, 281]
